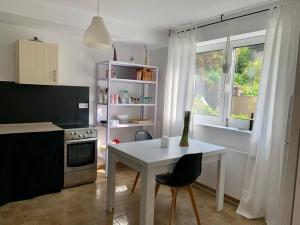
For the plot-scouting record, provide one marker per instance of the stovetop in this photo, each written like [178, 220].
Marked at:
[73, 126]
[78, 131]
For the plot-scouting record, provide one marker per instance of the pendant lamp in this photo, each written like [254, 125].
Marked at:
[96, 35]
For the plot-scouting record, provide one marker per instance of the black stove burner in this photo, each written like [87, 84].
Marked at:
[73, 126]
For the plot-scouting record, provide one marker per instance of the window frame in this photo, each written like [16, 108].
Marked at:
[237, 41]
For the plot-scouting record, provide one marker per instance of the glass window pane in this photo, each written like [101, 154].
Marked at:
[247, 73]
[208, 83]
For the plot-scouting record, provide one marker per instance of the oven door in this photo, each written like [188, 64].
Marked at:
[80, 155]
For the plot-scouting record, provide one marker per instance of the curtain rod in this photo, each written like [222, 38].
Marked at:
[222, 20]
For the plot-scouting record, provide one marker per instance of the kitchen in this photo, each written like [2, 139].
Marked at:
[95, 95]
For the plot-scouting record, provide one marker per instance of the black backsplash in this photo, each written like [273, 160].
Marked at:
[40, 103]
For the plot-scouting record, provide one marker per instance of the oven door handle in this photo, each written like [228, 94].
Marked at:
[81, 140]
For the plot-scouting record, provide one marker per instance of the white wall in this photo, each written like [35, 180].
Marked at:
[76, 62]
[236, 157]
[158, 57]
[236, 142]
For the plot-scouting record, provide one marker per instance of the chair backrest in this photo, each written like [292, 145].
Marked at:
[143, 135]
[187, 170]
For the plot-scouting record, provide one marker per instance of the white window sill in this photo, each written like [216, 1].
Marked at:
[230, 129]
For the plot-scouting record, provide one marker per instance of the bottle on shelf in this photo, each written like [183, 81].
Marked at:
[251, 122]
[227, 122]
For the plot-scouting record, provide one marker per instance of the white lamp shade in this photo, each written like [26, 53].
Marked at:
[96, 35]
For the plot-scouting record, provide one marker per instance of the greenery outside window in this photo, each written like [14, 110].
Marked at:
[228, 97]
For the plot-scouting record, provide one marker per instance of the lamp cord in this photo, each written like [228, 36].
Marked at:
[98, 8]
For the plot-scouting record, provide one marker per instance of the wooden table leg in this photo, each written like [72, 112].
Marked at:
[220, 183]
[135, 181]
[110, 203]
[156, 189]
[147, 197]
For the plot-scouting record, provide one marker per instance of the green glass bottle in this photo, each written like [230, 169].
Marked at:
[184, 142]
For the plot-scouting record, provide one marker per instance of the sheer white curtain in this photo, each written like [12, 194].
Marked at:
[179, 81]
[260, 197]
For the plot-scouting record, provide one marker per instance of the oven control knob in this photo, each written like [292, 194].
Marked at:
[81, 136]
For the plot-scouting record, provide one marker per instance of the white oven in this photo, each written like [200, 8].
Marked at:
[80, 155]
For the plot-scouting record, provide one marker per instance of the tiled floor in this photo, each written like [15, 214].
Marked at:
[85, 205]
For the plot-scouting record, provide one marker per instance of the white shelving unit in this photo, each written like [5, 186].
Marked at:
[125, 79]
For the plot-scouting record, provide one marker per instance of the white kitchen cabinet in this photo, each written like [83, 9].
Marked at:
[36, 62]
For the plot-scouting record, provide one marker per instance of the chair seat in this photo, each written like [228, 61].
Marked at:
[163, 178]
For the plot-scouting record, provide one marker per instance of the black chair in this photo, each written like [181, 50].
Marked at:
[186, 171]
[140, 136]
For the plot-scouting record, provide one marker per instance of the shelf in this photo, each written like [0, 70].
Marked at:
[126, 64]
[132, 104]
[128, 81]
[133, 81]
[124, 125]
[99, 104]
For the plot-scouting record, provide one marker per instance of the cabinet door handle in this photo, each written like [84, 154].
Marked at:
[54, 76]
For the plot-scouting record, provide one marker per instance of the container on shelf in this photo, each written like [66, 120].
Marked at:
[102, 93]
[140, 121]
[123, 118]
[112, 98]
[112, 74]
[147, 74]
[139, 74]
[113, 122]
[116, 98]
[124, 97]
[134, 99]
[146, 100]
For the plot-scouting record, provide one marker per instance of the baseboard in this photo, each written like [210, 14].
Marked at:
[212, 191]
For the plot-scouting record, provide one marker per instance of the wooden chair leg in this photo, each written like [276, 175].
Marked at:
[190, 190]
[135, 181]
[156, 189]
[174, 193]
[175, 196]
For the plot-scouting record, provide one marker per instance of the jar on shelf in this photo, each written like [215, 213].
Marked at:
[146, 100]
[124, 97]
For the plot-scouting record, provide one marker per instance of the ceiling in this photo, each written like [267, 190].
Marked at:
[159, 14]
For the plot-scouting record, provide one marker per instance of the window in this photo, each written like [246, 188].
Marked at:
[246, 77]
[208, 83]
[221, 96]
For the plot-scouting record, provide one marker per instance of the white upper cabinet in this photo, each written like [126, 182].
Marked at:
[36, 62]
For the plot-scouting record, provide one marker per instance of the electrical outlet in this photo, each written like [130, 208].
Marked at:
[83, 105]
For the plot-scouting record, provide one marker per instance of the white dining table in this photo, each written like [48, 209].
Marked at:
[150, 159]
